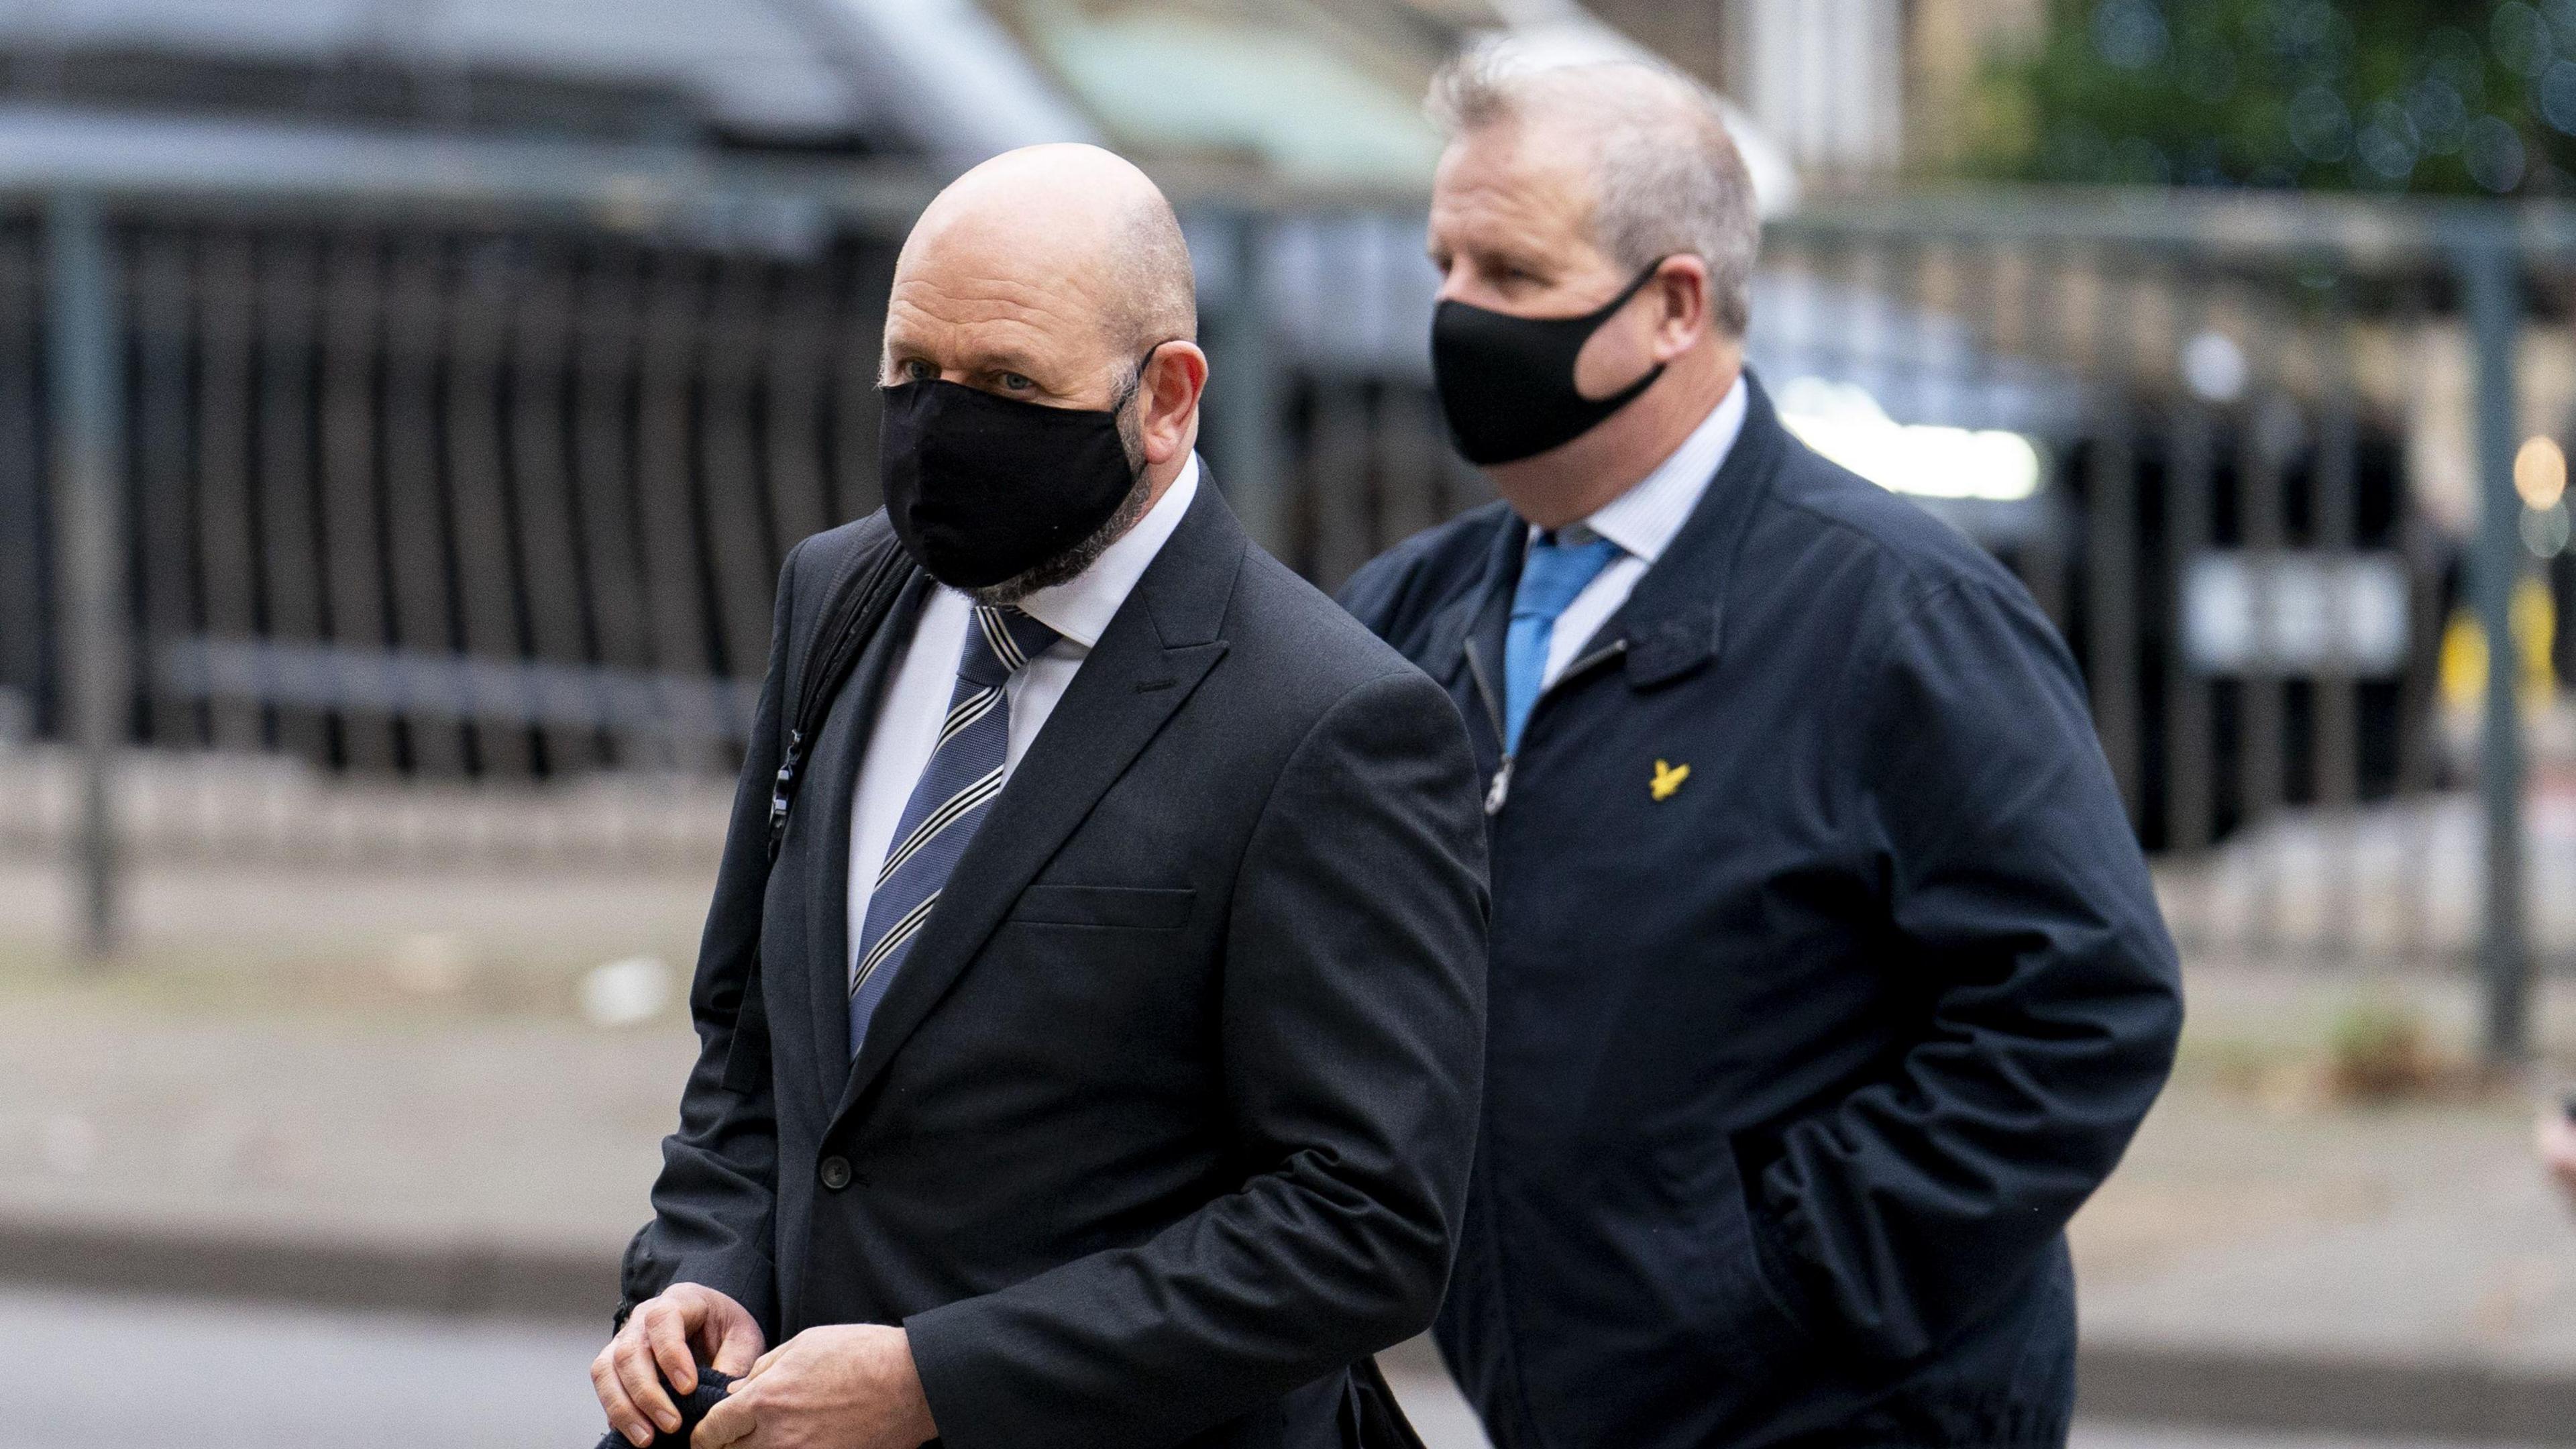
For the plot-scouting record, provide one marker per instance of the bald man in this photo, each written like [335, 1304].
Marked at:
[1096, 1062]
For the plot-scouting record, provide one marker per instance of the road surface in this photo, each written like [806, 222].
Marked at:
[98, 1372]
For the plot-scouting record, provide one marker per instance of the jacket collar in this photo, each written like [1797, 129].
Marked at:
[1158, 646]
[1484, 605]
[1672, 623]
[1644, 520]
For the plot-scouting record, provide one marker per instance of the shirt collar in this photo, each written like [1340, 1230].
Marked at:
[1644, 519]
[1081, 607]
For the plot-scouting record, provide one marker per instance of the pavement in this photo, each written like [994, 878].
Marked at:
[2392, 881]
[386, 1126]
[252, 1377]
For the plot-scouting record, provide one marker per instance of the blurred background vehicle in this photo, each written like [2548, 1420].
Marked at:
[404, 408]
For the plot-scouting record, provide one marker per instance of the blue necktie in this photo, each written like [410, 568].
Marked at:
[954, 795]
[1551, 576]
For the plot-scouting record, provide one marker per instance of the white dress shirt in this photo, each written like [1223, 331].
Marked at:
[917, 693]
[1642, 521]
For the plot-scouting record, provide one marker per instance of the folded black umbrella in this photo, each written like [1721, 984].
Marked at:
[693, 1407]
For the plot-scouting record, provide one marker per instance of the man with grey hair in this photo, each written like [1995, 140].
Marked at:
[1826, 977]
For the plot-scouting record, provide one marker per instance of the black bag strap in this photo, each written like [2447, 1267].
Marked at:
[855, 607]
[861, 596]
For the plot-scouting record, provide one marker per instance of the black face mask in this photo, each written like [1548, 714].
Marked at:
[1507, 383]
[981, 488]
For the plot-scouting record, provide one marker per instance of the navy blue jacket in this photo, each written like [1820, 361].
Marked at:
[1798, 1063]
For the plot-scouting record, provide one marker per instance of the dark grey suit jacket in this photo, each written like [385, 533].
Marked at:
[1167, 1119]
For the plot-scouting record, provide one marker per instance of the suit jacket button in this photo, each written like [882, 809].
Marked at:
[836, 1173]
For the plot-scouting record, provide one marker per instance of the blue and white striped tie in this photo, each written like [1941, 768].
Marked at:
[956, 791]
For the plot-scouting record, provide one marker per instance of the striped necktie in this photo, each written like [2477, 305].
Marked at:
[955, 793]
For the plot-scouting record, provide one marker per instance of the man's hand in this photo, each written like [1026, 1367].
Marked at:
[847, 1386]
[672, 1332]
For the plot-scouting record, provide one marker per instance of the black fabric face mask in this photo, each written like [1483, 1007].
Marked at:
[981, 488]
[1506, 383]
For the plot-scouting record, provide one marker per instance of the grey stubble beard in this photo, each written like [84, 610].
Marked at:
[1067, 566]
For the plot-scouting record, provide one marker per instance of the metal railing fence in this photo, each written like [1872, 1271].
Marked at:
[2287, 452]
[475, 467]
[461, 502]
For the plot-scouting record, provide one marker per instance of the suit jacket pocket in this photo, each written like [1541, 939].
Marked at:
[1143, 908]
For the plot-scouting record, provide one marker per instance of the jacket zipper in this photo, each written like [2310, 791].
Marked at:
[1501, 789]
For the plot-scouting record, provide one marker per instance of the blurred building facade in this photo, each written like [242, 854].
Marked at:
[1850, 91]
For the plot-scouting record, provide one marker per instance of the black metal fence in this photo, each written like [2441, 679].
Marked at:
[2283, 438]
[450, 501]
[504, 499]
[2225, 531]
[487, 479]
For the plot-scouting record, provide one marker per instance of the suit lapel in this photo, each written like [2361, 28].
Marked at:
[838, 750]
[1157, 648]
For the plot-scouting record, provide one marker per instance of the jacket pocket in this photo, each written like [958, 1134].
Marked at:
[1135, 908]
[1740, 1311]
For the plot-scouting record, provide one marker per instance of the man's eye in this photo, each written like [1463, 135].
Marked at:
[916, 370]
[1016, 383]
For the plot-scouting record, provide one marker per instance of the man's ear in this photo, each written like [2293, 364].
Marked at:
[1681, 289]
[1168, 399]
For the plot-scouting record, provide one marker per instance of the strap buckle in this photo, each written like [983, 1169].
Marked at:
[783, 795]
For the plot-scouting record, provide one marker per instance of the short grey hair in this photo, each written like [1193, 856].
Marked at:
[1668, 178]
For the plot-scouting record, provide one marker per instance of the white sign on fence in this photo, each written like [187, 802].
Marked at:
[2295, 612]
